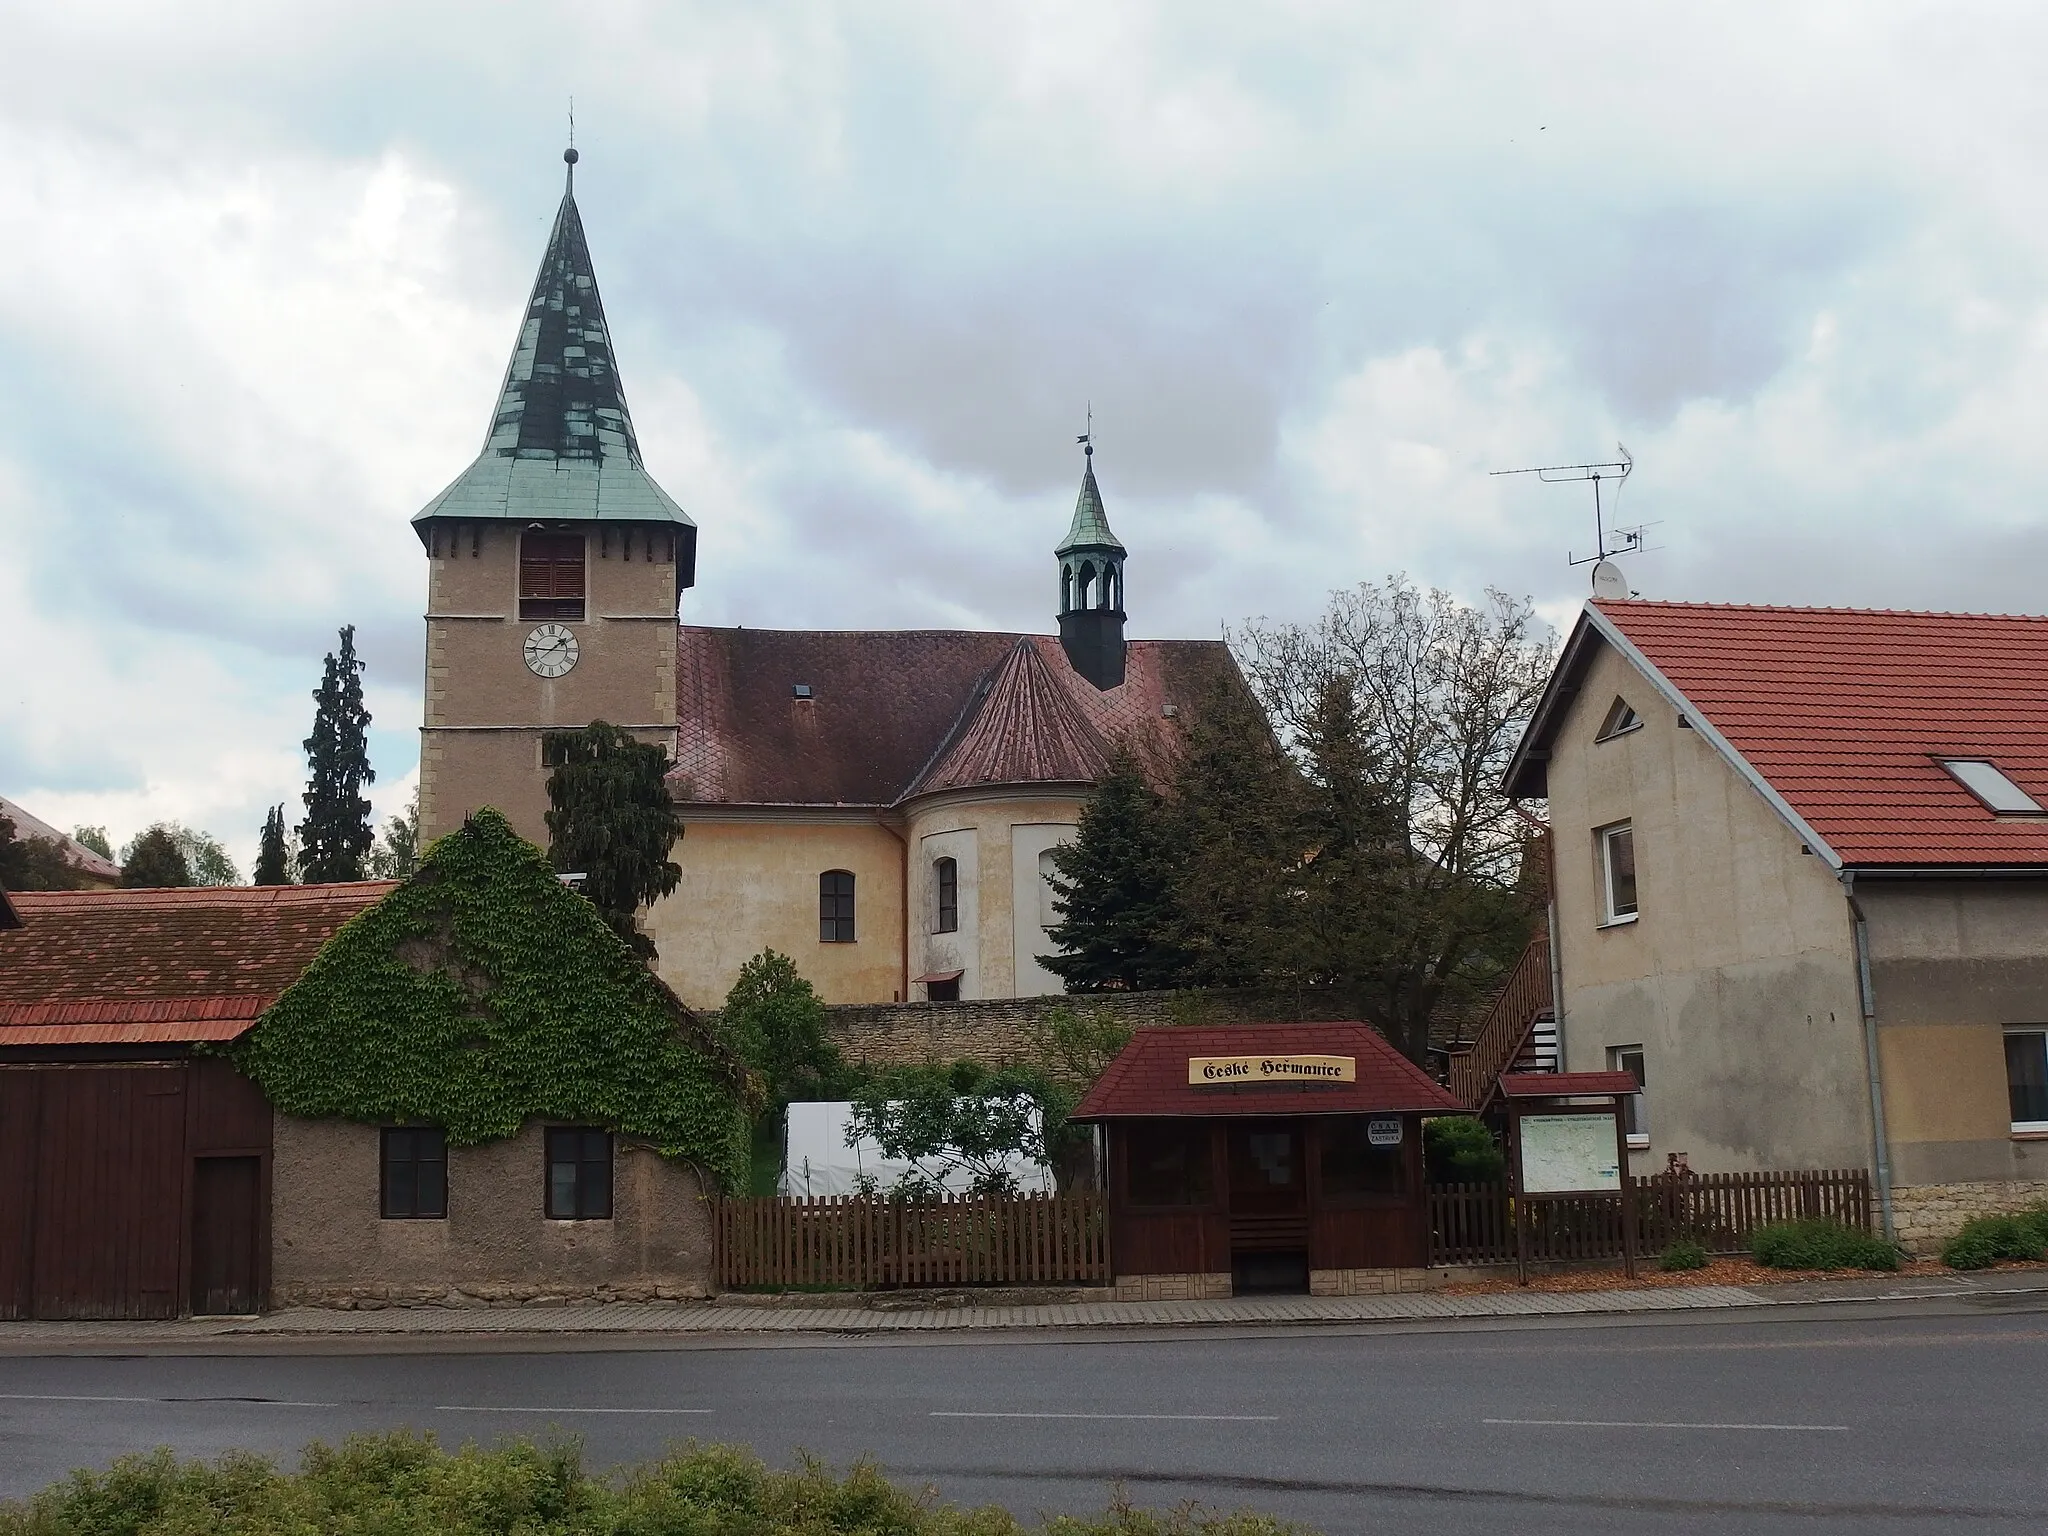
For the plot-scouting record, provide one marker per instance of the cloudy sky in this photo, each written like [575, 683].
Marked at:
[1318, 267]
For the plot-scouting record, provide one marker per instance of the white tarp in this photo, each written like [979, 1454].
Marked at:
[817, 1161]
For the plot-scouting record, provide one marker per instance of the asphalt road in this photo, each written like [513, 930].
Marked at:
[1845, 1421]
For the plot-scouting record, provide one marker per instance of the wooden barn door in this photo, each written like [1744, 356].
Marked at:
[226, 1234]
[109, 1183]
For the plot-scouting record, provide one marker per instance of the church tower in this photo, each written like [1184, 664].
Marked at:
[1092, 588]
[555, 565]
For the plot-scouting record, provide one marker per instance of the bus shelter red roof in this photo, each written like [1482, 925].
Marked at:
[1149, 1078]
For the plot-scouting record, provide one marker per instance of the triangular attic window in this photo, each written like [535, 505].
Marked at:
[1620, 719]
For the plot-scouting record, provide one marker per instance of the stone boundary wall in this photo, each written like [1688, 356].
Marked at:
[1001, 1030]
[1214, 1287]
[1373, 1282]
[1928, 1215]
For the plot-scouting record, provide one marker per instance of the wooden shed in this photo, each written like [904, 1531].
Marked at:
[136, 1177]
[1265, 1157]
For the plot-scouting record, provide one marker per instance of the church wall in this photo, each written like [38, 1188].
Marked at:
[751, 883]
[1008, 830]
[960, 950]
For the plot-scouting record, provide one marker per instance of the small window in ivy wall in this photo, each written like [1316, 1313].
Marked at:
[415, 1176]
[579, 1174]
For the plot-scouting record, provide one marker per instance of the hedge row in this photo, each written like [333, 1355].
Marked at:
[405, 1484]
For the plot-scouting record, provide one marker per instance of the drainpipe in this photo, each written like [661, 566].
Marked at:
[1868, 1000]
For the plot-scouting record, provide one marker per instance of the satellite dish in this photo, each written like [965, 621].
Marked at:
[1608, 582]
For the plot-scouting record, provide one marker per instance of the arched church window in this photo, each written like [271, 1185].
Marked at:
[946, 883]
[835, 907]
[551, 576]
[1066, 588]
[1086, 588]
[1048, 871]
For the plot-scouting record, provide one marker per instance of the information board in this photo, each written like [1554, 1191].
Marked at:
[1569, 1154]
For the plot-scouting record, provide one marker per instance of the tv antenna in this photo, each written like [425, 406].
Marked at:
[1607, 542]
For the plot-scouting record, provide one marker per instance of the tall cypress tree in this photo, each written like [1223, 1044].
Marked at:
[273, 860]
[336, 832]
[612, 822]
[1120, 921]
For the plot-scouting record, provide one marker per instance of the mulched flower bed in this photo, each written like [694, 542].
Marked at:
[1740, 1271]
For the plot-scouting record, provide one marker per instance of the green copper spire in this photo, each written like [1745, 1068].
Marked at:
[1090, 528]
[561, 446]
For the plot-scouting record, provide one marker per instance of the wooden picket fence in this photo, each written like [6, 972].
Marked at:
[875, 1242]
[1475, 1223]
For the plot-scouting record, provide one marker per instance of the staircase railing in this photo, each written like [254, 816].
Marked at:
[1505, 1031]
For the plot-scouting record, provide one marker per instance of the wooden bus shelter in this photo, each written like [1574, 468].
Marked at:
[1265, 1157]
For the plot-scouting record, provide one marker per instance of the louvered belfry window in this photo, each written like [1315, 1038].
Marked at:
[551, 576]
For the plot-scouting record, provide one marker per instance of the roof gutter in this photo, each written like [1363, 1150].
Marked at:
[1704, 727]
[1946, 872]
[1880, 1136]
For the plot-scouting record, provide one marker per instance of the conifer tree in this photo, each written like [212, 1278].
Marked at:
[1120, 920]
[336, 833]
[273, 861]
[612, 822]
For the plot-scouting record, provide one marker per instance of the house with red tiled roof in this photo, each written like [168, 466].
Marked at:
[94, 868]
[1801, 890]
[879, 805]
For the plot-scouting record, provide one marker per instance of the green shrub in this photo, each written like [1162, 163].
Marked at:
[1683, 1254]
[1991, 1239]
[404, 1484]
[1459, 1149]
[1820, 1243]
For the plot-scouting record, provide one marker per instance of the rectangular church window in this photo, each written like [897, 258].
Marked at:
[551, 576]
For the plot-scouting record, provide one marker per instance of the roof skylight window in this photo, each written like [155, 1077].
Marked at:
[1999, 793]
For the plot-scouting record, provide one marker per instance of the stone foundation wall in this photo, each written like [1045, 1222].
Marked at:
[1172, 1287]
[1002, 1030]
[1927, 1215]
[1372, 1282]
[330, 1247]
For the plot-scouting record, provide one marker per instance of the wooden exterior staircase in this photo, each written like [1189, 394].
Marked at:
[1518, 1034]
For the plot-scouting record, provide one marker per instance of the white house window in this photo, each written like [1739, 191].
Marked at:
[1617, 846]
[1989, 785]
[1620, 720]
[2026, 1077]
[1635, 1109]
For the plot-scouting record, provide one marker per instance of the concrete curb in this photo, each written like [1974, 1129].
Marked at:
[704, 1318]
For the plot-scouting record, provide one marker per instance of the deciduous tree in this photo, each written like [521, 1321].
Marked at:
[397, 853]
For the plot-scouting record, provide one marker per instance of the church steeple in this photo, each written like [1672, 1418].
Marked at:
[561, 446]
[1092, 585]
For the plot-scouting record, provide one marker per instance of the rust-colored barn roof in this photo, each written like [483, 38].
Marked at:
[1844, 716]
[886, 714]
[127, 967]
[1149, 1077]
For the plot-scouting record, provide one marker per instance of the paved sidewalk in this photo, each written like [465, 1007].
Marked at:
[709, 1318]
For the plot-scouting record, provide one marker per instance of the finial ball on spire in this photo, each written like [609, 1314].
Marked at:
[569, 156]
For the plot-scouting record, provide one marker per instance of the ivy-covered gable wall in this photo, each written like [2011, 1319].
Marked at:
[482, 993]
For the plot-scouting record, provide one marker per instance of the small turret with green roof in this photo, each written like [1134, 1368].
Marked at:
[1092, 586]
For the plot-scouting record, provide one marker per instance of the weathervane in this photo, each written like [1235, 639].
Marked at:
[1087, 438]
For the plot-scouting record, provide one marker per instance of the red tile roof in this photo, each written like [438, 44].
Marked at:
[1150, 1075]
[1025, 729]
[76, 854]
[1567, 1085]
[1846, 712]
[100, 967]
[886, 705]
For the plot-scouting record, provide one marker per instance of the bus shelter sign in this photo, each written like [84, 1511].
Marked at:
[1240, 1071]
[1569, 1155]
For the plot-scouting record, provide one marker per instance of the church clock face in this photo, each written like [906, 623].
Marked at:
[550, 651]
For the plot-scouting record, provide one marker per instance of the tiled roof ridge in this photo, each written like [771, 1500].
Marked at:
[27, 902]
[1613, 605]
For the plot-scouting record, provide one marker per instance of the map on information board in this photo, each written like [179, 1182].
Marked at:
[1569, 1154]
